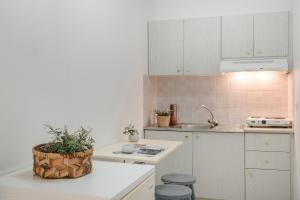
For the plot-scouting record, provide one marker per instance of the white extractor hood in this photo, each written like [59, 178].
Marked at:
[278, 64]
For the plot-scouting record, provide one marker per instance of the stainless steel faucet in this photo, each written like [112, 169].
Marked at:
[212, 122]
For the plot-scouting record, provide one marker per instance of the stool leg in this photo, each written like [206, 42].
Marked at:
[193, 192]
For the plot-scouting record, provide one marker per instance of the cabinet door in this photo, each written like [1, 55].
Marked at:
[237, 36]
[267, 184]
[180, 161]
[271, 33]
[219, 165]
[166, 47]
[144, 191]
[202, 46]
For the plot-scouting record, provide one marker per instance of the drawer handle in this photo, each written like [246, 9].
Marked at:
[139, 163]
[267, 143]
[178, 70]
[186, 137]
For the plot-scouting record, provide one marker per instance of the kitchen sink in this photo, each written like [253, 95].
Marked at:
[195, 126]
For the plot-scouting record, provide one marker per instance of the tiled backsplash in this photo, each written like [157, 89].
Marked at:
[232, 97]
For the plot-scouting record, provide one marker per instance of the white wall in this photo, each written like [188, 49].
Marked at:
[69, 62]
[81, 62]
[296, 45]
[172, 9]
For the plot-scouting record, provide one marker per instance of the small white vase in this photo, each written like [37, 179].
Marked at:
[133, 138]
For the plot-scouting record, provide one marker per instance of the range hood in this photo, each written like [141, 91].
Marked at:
[278, 64]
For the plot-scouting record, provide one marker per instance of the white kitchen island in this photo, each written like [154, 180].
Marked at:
[108, 181]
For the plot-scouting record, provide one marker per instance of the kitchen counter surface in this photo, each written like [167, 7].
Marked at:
[224, 128]
[107, 152]
[108, 181]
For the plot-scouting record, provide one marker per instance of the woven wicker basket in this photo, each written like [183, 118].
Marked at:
[163, 121]
[54, 165]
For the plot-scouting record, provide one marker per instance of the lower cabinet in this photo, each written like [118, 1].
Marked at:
[231, 166]
[267, 184]
[180, 161]
[267, 174]
[144, 191]
[218, 165]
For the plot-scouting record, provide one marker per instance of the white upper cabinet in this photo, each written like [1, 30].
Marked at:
[259, 35]
[166, 47]
[237, 36]
[195, 46]
[271, 34]
[202, 46]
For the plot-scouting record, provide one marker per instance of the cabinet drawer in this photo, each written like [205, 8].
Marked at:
[267, 185]
[267, 142]
[268, 160]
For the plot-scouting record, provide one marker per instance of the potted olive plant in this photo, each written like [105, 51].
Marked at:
[132, 133]
[163, 118]
[67, 155]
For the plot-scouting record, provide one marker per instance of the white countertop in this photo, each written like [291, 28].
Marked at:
[108, 181]
[106, 152]
[226, 128]
[221, 128]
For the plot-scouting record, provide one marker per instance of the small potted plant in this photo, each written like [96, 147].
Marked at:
[163, 118]
[132, 133]
[67, 155]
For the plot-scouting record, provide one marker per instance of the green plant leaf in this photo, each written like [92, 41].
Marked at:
[65, 142]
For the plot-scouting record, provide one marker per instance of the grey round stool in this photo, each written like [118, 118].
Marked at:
[180, 179]
[172, 192]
